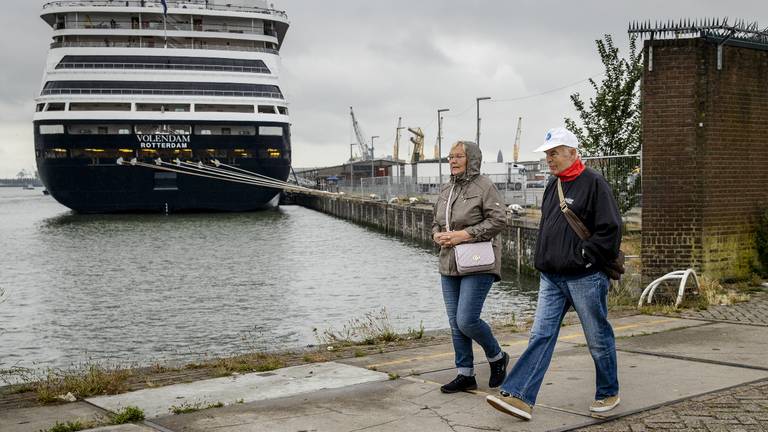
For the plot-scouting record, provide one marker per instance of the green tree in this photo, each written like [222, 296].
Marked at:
[611, 122]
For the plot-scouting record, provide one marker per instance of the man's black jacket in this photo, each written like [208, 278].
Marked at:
[558, 248]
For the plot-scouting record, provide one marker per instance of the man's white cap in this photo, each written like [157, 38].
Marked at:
[558, 136]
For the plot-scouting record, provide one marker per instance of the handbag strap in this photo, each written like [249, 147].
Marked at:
[448, 210]
[573, 220]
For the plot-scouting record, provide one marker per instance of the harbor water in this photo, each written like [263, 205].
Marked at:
[136, 289]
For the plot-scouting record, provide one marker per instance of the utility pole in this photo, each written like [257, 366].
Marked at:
[440, 144]
[477, 135]
[373, 174]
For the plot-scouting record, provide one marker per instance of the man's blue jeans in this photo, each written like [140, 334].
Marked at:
[464, 297]
[589, 296]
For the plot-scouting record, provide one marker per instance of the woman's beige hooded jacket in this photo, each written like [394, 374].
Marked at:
[476, 206]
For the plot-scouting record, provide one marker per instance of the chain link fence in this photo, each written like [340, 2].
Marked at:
[623, 173]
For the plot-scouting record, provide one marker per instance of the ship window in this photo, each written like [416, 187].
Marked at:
[266, 109]
[79, 106]
[282, 110]
[223, 108]
[56, 153]
[51, 129]
[270, 131]
[163, 129]
[163, 107]
[103, 129]
[55, 106]
[40, 107]
[162, 88]
[225, 130]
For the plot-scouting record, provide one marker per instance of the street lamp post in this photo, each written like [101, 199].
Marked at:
[440, 145]
[477, 135]
[373, 174]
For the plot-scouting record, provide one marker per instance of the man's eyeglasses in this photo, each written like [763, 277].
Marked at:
[456, 157]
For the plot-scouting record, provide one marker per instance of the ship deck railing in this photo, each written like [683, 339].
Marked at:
[180, 92]
[163, 66]
[171, 26]
[187, 4]
[161, 44]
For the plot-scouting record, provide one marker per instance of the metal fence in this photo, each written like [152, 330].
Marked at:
[622, 173]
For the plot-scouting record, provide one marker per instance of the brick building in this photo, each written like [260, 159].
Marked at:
[705, 155]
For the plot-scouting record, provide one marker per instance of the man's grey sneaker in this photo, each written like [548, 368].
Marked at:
[460, 383]
[511, 405]
[603, 405]
[498, 371]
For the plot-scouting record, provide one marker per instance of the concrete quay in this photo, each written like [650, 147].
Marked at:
[675, 373]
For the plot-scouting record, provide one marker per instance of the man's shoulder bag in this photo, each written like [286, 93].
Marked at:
[613, 269]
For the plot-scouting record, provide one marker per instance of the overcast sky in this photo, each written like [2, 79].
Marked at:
[391, 59]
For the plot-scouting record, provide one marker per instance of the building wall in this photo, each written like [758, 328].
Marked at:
[705, 157]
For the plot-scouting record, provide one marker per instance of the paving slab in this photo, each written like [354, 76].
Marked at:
[645, 381]
[399, 405]
[440, 357]
[44, 417]
[720, 342]
[631, 326]
[123, 428]
[431, 358]
[241, 388]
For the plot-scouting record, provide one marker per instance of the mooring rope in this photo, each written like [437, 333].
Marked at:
[201, 170]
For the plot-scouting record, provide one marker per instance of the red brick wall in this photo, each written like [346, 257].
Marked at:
[705, 157]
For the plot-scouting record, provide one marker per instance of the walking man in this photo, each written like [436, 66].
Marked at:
[571, 275]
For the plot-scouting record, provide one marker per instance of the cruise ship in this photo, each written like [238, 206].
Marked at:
[148, 81]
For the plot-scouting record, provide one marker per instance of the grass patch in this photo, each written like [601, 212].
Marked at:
[371, 329]
[188, 407]
[393, 376]
[711, 292]
[129, 414]
[315, 357]
[90, 381]
[255, 362]
[83, 381]
[70, 426]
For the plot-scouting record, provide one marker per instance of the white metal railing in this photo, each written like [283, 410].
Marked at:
[161, 44]
[170, 26]
[182, 4]
[179, 92]
[164, 66]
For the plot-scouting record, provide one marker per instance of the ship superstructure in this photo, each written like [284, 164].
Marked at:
[198, 82]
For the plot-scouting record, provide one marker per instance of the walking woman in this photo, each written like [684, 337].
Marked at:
[475, 213]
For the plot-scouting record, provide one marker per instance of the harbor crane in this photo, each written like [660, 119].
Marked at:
[365, 150]
[516, 151]
[418, 144]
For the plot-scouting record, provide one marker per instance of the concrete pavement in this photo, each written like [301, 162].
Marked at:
[663, 361]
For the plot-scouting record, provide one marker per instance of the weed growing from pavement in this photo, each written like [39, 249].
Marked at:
[70, 426]
[188, 407]
[128, 414]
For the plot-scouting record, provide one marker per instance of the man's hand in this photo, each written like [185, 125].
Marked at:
[451, 239]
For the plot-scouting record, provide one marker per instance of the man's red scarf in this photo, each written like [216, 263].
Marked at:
[573, 171]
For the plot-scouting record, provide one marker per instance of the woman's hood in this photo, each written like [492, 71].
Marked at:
[474, 160]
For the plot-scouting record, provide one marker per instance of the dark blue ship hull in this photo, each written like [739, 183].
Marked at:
[81, 172]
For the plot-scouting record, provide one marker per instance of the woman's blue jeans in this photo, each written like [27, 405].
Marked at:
[464, 297]
[589, 296]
